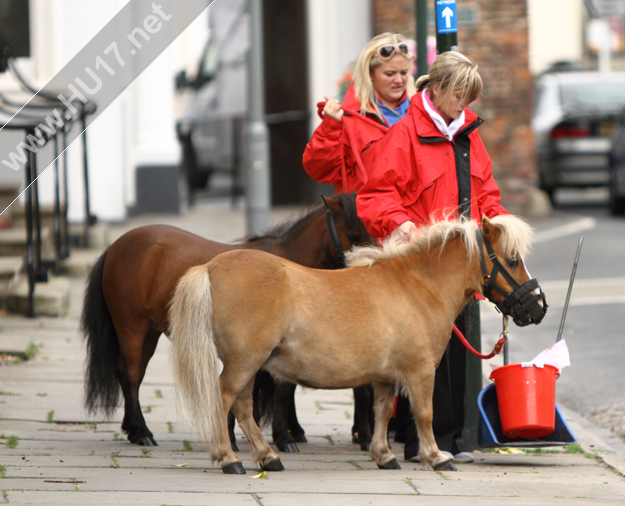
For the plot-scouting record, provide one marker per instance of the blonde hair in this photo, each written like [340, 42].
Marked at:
[452, 71]
[368, 60]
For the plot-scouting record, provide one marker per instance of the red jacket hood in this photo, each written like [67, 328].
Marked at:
[424, 124]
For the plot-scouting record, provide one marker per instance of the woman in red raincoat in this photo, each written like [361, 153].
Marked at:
[342, 146]
[433, 164]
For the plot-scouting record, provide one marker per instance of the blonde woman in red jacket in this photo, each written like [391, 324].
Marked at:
[341, 149]
[433, 164]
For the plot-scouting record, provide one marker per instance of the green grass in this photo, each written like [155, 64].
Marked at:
[158, 394]
[170, 427]
[3, 471]
[356, 465]
[5, 496]
[116, 437]
[42, 395]
[31, 350]
[187, 446]
[577, 449]
[115, 464]
[50, 416]
[11, 394]
[145, 453]
[11, 442]
[148, 408]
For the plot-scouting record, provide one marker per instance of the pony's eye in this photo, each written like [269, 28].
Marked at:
[513, 263]
[352, 237]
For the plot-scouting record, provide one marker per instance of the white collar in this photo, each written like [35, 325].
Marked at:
[449, 131]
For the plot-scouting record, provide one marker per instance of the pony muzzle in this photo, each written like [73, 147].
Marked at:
[526, 304]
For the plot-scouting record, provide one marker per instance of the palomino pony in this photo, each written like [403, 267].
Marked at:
[385, 320]
[131, 285]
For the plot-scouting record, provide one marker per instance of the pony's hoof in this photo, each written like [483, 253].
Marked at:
[146, 441]
[365, 447]
[234, 446]
[288, 447]
[234, 468]
[272, 465]
[445, 466]
[391, 464]
[300, 438]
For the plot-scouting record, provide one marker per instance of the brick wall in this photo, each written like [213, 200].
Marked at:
[499, 44]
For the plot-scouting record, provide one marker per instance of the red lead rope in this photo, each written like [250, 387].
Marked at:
[496, 349]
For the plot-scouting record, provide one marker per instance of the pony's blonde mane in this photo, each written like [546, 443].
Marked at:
[515, 239]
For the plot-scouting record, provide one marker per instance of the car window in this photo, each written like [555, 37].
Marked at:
[208, 65]
[576, 95]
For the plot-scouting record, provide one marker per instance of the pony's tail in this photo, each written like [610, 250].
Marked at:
[196, 363]
[101, 381]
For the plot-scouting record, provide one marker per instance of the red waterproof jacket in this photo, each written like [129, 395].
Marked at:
[341, 152]
[419, 174]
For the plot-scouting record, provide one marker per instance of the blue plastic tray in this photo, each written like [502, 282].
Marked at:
[491, 435]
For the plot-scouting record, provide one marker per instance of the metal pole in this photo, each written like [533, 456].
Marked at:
[257, 170]
[446, 25]
[421, 10]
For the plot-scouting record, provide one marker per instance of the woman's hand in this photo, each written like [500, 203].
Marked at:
[405, 232]
[333, 109]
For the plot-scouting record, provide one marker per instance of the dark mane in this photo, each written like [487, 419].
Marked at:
[292, 227]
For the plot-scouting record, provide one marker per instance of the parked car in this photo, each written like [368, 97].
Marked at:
[574, 121]
[214, 99]
[617, 171]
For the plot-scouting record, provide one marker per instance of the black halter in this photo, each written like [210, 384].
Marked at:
[521, 304]
[334, 237]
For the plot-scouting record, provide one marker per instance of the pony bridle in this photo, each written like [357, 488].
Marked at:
[523, 303]
[334, 237]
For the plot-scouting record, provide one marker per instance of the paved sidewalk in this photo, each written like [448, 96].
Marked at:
[61, 457]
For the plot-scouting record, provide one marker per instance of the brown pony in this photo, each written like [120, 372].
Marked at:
[385, 320]
[131, 285]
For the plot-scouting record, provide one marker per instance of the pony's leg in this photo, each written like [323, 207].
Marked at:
[136, 348]
[284, 393]
[295, 428]
[362, 418]
[233, 438]
[384, 395]
[262, 454]
[421, 389]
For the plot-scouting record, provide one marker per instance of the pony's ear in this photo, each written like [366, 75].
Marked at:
[330, 203]
[490, 231]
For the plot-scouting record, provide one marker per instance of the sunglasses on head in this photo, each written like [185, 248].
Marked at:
[387, 51]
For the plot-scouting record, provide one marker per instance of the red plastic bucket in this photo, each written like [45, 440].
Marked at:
[527, 400]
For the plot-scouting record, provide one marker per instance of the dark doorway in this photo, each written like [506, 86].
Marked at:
[286, 95]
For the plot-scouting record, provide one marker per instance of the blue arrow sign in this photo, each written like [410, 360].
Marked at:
[446, 17]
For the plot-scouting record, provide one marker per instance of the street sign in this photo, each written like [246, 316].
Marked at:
[446, 16]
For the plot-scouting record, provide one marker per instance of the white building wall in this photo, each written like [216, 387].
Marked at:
[337, 32]
[556, 32]
[137, 129]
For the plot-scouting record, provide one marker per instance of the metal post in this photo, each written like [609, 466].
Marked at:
[88, 218]
[474, 376]
[446, 25]
[257, 170]
[421, 10]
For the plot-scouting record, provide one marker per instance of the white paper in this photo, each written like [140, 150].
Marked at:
[556, 355]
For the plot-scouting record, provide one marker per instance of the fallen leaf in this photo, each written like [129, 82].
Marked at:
[181, 465]
[262, 474]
